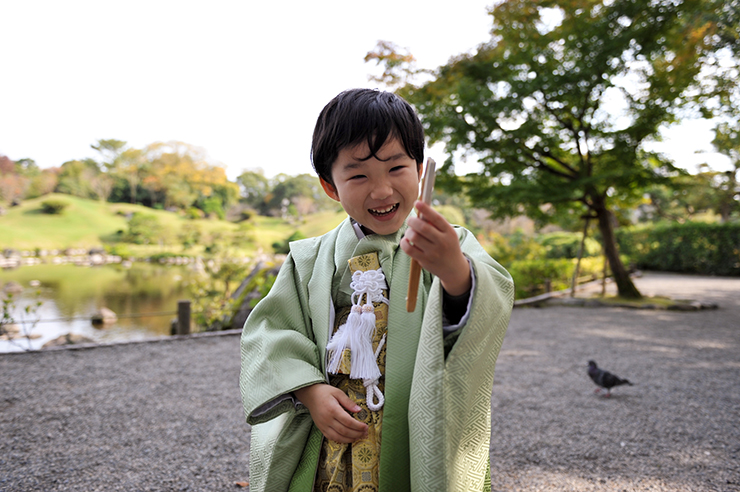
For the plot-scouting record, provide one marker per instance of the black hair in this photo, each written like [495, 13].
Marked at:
[364, 115]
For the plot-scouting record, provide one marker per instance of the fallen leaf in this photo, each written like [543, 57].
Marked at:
[242, 484]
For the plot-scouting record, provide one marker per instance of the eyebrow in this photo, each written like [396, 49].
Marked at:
[360, 162]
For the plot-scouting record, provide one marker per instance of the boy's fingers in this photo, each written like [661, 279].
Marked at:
[347, 402]
[428, 214]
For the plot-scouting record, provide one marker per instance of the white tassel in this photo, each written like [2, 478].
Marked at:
[341, 340]
[357, 333]
[364, 365]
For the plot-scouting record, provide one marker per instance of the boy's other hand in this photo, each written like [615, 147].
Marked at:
[329, 408]
[433, 242]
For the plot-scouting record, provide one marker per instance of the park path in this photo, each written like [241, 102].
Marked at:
[166, 415]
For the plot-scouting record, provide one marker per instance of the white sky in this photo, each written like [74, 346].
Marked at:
[245, 80]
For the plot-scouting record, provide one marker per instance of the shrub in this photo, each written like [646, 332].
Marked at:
[530, 276]
[693, 247]
[142, 229]
[54, 206]
[283, 247]
[194, 213]
[567, 244]
[121, 250]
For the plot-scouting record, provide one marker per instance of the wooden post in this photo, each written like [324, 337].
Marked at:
[183, 317]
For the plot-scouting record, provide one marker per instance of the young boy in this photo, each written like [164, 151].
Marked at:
[344, 389]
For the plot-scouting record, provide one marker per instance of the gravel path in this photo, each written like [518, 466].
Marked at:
[166, 415]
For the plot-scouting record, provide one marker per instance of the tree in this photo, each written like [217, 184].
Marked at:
[558, 104]
[727, 141]
[253, 187]
[75, 178]
[13, 185]
[122, 162]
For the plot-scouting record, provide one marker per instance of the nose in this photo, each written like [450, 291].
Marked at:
[382, 189]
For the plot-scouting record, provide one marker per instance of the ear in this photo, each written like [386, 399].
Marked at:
[329, 189]
[420, 170]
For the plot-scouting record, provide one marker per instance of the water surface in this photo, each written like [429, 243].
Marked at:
[144, 297]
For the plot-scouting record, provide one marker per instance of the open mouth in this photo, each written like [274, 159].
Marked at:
[381, 212]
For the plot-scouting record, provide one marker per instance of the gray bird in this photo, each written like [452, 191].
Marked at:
[604, 379]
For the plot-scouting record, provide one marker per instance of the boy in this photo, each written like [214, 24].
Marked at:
[331, 360]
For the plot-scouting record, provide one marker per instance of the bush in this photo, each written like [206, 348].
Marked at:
[142, 229]
[283, 247]
[121, 250]
[54, 206]
[693, 247]
[567, 244]
[530, 276]
[194, 213]
[515, 247]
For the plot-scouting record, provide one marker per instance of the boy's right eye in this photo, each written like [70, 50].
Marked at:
[357, 176]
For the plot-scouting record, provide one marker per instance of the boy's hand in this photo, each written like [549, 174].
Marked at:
[432, 241]
[328, 407]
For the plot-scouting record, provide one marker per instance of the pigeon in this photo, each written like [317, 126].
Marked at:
[604, 379]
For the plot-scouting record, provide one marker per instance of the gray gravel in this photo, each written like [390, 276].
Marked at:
[166, 415]
[677, 429]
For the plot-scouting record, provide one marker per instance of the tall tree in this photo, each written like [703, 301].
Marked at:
[727, 141]
[558, 104]
[254, 187]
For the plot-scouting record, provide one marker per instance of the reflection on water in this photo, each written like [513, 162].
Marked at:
[68, 291]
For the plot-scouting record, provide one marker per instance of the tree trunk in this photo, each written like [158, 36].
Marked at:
[625, 287]
[574, 280]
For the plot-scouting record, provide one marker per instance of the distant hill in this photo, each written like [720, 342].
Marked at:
[90, 223]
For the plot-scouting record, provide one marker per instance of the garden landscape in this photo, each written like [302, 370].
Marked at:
[127, 276]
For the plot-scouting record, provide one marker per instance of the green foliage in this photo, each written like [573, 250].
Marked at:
[76, 178]
[516, 247]
[254, 187]
[194, 213]
[54, 206]
[119, 249]
[213, 305]
[190, 235]
[283, 247]
[530, 104]
[694, 247]
[453, 214]
[213, 205]
[142, 228]
[262, 283]
[531, 276]
[28, 318]
[566, 245]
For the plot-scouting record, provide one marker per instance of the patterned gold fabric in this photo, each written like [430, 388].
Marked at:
[354, 467]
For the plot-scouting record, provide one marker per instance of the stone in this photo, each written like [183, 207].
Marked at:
[67, 339]
[104, 316]
[12, 287]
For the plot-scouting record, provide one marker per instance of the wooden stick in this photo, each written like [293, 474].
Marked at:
[427, 185]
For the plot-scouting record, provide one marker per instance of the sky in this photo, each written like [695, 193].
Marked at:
[243, 80]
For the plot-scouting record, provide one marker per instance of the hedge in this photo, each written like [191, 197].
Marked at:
[693, 247]
[530, 276]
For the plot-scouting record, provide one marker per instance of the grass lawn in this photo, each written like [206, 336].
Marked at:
[90, 223]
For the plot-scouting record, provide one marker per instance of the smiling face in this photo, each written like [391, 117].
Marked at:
[379, 193]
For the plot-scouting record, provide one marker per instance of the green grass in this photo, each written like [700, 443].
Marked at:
[90, 223]
[663, 302]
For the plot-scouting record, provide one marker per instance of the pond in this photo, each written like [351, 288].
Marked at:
[144, 297]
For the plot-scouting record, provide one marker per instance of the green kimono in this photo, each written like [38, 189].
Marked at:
[437, 413]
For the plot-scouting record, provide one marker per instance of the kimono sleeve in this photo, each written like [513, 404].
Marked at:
[278, 349]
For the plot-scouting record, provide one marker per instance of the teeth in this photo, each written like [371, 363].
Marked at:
[381, 211]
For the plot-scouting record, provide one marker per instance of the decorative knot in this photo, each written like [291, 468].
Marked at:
[370, 283]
